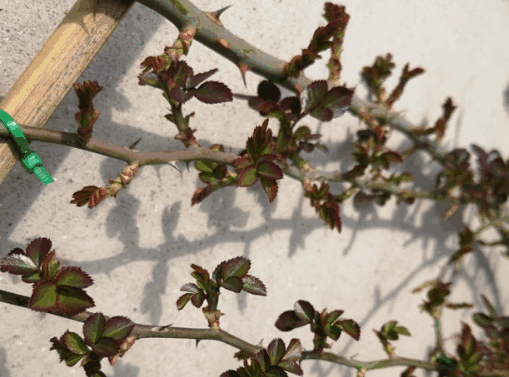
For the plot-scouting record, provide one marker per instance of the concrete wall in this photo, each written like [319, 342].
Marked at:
[138, 247]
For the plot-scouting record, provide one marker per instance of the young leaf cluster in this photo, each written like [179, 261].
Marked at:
[274, 361]
[54, 288]
[60, 290]
[322, 324]
[102, 338]
[390, 331]
[231, 275]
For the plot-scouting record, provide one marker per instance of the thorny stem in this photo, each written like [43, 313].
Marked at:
[148, 331]
[196, 153]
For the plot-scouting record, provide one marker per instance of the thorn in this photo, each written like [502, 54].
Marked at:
[172, 163]
[187, 164]
[243, 69]
[219, 12]
[133, 145]
[161, 328]
[214, 16]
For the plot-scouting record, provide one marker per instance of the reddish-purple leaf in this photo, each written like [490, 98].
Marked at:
[213, 92]
[304, 310]
[254, 286]
[288, 321]
[37, 250]
[198, 298]
[199, 78]
[268, 91]
[17, 263]
[200, 194]
[315, 93]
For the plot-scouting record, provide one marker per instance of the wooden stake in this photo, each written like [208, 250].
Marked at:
[37, 93]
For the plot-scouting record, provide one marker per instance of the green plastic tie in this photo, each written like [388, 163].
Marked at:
[29, 159]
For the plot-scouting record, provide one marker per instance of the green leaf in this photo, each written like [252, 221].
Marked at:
[482, 320]
[73, 277]
[238, 266]
[333, 316]
[44, 296]
[205, 166]
[333, 331]
[493, 314]
[269, 170]
[263, 359]
[183, 300]
[49, 266]
[276, 372]
[207, 178]
[401, 330]
[233, 283]
[106, 347]
[248, 176]
[351, 328]
[200, 273]
[291, 359]
[276, 350]
[72, 301]
[302, 133]
[75, 343]
[32, 278]
[118, 328]
[294, 350]
[94, 327]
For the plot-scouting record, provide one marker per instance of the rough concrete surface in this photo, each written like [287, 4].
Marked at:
[138, 248]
